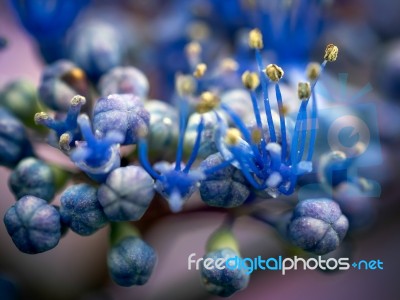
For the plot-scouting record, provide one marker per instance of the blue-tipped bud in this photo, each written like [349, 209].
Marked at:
[317, 226]
[14, 143]
[33, 177]
[123, 113]
[126, 194]
[225, 187]
[124, 80]
[223, 282]
[60, 82]
[33, 225]
[81, 210]
[131, 262]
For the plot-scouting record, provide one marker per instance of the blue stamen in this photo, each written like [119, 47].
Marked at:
[144, 161]
[314, 119]
[264, 85]
[259, 123]
[281, 120]
[196, 146]
[303, 130]
[182, 126]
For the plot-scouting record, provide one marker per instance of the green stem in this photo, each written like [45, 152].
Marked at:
[223, 238]
[122, 230]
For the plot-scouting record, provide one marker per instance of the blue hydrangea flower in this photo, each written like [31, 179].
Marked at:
[226, 282]
[14, 142]
[33, 225]
[124, 80]
[226, 187]
[175, 182]
[66, 131]
[266, 159]
[98, 155]
[60, 82]
[81, 210]
[32, 177]
[131, 262]
[126, 194]
[317, 225]
[123, 113]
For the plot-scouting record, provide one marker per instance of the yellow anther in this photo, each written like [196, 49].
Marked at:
[256, 135]
[40, 116]
[229, 65]
[331, 52]
[78, 100]
[233, 136]
[193, 49]
[74, 75]
[304, 90]
[250, 80]
[274, 72]
[256, 39]
[208, 101]
[65, 140]
[313, 70]
[200, 70]
[185, 84]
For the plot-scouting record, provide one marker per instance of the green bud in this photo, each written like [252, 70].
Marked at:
[20, 98]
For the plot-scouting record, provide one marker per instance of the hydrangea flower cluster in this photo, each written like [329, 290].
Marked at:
[227, 146]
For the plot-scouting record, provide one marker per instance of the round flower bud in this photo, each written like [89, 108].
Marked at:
[33, 225]
[126, 194]
[124, 113]
[163, 128]
[20, 98]
[81, 210]
[124, 80]
[317, 225]
[227, 281]
[60, 82]
[131, 262]
[224, 188]
[14, 143]
[32, 177]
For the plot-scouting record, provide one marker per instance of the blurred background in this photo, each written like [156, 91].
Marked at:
[151, 35]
